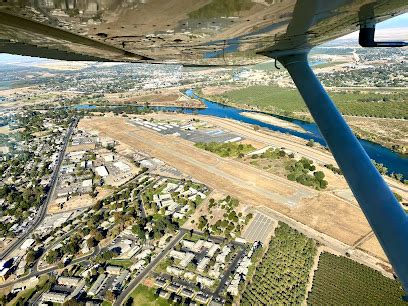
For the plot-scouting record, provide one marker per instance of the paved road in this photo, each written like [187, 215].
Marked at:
[96, 251]
[136, 281]
[43, 208]
[227, 273]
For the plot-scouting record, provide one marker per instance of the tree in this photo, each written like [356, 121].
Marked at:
[52, 256]
[31, 257]
[72, 302]
[319, 175]
[139, 231]
[110, 296]
[91, 242]
[398, 197]
[310, 143]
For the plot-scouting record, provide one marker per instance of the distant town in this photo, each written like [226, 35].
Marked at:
[125, 184]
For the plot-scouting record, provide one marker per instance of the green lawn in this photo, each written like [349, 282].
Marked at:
[145, 296]
[286, 101]
[341, 281]
[126, 263]
[25, 295]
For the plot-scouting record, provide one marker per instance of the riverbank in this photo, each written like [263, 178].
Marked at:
[272, 120]
[158, 98]
[388, 132]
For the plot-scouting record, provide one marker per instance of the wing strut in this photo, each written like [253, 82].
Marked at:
[382, 210]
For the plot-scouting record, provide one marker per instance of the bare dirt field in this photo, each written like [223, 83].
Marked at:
[73, 203]
[77, 202]
[385, 131]
[321, 211]
[85, 147]
[372, 246]
[217, 90]
[279, 140]
[165, 97]
[5, 130]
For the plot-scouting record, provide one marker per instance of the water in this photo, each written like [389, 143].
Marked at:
[393, 161]
[84, 106]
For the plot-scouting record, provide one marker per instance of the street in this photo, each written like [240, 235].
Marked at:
[136, 281]
[43, 208]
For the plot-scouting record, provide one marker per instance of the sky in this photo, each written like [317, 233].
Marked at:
[392, 29]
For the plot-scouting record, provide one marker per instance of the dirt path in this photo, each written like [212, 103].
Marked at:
[311, 275]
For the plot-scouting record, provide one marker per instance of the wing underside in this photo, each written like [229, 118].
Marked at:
[200, 32]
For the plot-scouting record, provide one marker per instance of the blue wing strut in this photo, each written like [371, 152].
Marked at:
[382, 210]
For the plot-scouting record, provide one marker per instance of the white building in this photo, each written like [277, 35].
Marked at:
[27, 244]
[54, 297]
[122, 166]
[174, 271]
[102, 171]
[203, 264]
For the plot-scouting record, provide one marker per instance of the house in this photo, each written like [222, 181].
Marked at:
[174, 271]
[189, 275]
[114, 270]
[122, 166]
[173, 287]
[187, 293]
[203, 264]
[87, 183]
[68, 281]
[186, 260]
[97, 285]
[205, 281]
[138, 265]
[201, 298]
[27, 244]
[159, 283]
[54, 297]
[224, 253]
[102, 171]
[212, 250]
[164, 294]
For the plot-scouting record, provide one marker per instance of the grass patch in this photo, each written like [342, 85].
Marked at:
[24, 296]
[287, 101]
[341, 281]
[126, 263]
[230, 149]
[145, 296]
[329, 64]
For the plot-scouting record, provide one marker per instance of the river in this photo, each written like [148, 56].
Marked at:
[393, 161]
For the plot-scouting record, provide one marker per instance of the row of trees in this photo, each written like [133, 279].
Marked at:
[282, 275]
[342, 281]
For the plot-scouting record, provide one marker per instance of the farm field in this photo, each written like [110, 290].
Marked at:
[272, 283]
[287, 101]
[341, 281]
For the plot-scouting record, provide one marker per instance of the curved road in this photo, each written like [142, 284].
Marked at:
[50, 269]
[43, 208]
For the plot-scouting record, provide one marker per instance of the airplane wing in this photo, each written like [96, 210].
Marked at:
[199, 32]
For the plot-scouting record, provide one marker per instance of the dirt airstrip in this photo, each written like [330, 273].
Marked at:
[322, 211]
